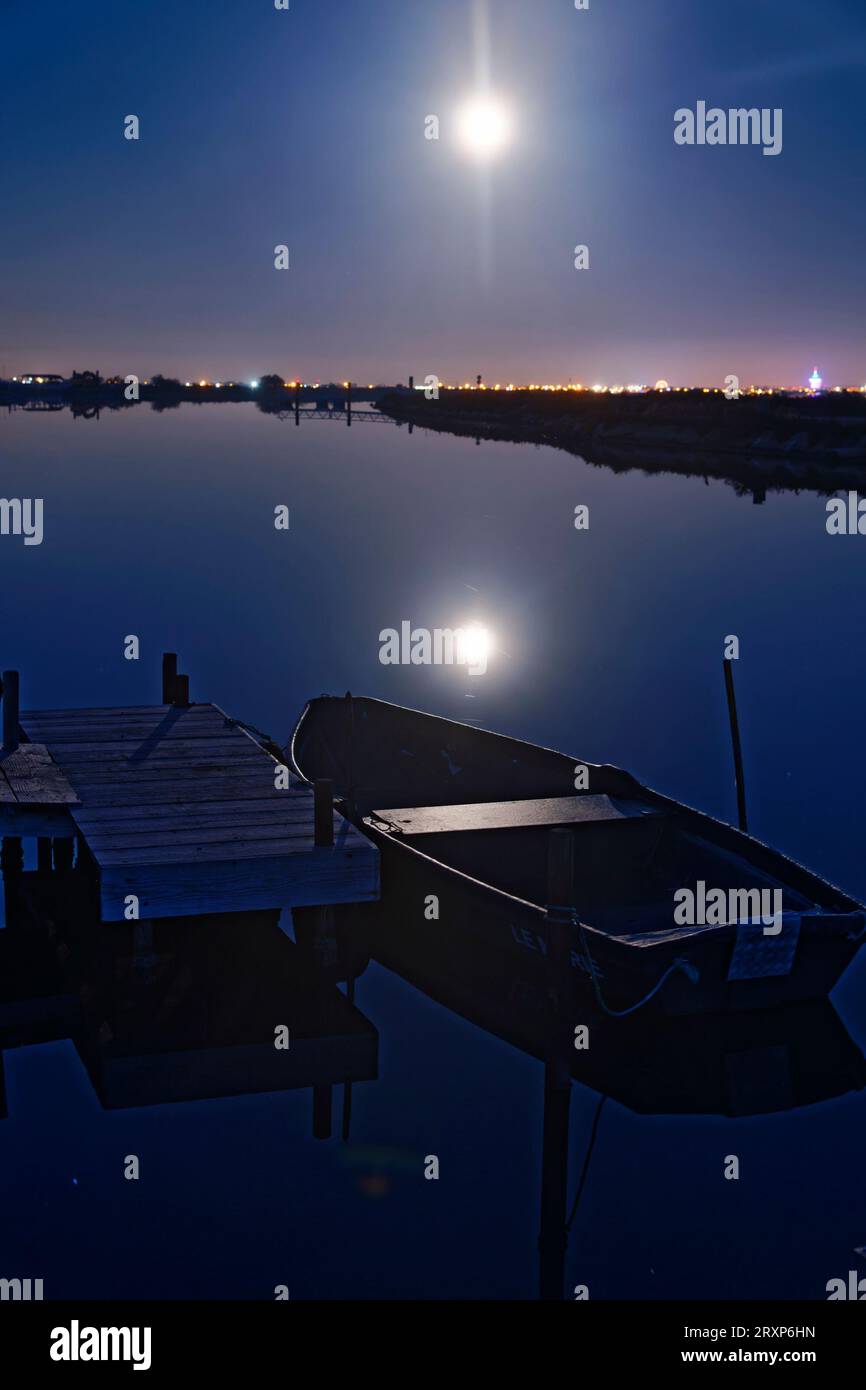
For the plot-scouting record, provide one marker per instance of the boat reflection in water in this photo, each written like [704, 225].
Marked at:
[758, 1062]
[188, 1009]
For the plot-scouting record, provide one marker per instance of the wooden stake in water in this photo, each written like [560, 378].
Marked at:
[735, 740]
[169, 676]
[10, 711]
[322, 1102]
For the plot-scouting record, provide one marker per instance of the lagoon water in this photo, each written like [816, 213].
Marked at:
[607, 644]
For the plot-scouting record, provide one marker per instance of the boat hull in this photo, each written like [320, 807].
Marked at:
[520, 935]
[490, 881]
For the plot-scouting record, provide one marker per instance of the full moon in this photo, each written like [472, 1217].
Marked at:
[484, 127]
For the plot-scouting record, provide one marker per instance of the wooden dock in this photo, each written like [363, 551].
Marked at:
[182, 812]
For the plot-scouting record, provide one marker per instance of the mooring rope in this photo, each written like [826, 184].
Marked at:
[585, 1170]
[274, 749]
[679, 964]
[622, 1014]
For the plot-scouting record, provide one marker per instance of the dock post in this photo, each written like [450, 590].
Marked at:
[43, 855]
[735, 740]
[64, 854]
[323, 813]
[322, 1100]
[181, 691]
[11, 731]
[560, 890]
[11, 869]
[552, 1236]
[347, 1085]
[169, 676]
[324, 942]
[143, 957]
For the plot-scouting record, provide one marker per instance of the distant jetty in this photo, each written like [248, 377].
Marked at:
[758, 441]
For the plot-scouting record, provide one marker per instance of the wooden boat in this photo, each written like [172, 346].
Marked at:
[490, 833]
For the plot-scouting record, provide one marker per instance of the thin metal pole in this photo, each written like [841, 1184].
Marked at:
[735, 739]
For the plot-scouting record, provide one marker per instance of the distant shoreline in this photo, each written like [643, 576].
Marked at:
[757, 442]
[165, 395]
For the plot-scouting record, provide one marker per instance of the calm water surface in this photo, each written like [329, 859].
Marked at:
[608, 646]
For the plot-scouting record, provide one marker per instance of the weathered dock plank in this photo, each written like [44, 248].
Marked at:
[157, 764]
[29, 776]
[102, 713]
[194, 847]
[179, 807]
[165, 749]
[139, 834]
[202, 790]
[195, 889]
[193, 814]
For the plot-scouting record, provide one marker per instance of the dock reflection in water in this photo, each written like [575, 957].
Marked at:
[188, 1009]
[179, 1010]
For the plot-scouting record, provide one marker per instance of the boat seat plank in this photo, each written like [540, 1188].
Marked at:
[508, 815]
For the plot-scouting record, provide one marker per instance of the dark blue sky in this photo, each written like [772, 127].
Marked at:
[306, 127]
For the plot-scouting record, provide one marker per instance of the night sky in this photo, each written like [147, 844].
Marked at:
[306, 127]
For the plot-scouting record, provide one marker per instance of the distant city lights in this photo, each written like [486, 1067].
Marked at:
[815, 385]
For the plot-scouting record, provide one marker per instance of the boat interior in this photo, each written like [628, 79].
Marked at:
[631, 851]
[628, 857]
